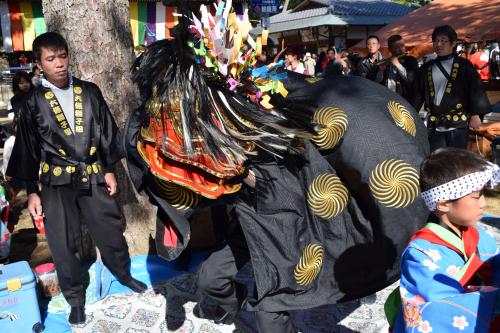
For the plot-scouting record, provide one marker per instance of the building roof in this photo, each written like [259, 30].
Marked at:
[369, 8]
[337, 12]
[290, 16]
[366, 7]
[308, 22]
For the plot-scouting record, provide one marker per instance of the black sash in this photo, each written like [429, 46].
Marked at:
[445, 73]
[82, 175]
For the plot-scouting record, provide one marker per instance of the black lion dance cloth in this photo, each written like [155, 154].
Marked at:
[336, 162]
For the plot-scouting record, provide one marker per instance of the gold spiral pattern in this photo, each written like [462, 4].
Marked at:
[309, 265]
[178, 196]
[402, 117]
[335, 122]
[327, 196]
[394, 183]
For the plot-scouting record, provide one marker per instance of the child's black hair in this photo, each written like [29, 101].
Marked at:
[447, 164]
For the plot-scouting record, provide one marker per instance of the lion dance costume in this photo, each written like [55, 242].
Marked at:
[337, 191]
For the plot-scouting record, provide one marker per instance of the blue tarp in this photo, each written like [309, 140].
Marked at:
[148, 269]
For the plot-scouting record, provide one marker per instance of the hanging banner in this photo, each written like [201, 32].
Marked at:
[16, 26]
[134, 23]
[151, 25]
[28, 24]
[142, 19]
[161, 15]
[5, 22]
[40, 26]
[171, 20]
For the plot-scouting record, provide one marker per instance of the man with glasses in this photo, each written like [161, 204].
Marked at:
[368, 67]
[451, 92]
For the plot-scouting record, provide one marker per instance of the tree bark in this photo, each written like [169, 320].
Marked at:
[101, 50]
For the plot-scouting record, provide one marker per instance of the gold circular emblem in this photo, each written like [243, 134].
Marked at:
[70, 169]
[57, 171]
[453, 110]
[394, 183]
[402, 117]
[455, 118]
[448, 117]
[464, 117]
[334, 123]
[459, 106]
[313, 80]
[92, 150]
[45, 168]
[95, 168]
[432, 118]
[62, 152]
[432, 93]
[178, 196]
[309, 265]
[77, 90]
[49, 95]
[456, 65]
[327, 196]
[89, 169]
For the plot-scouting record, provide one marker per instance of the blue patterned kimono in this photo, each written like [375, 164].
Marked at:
[440, 289]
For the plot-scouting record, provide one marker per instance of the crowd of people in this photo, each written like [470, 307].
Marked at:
[484, 55]
[68, 142]
[448, 84]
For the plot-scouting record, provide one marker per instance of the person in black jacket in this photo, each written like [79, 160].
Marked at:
[400, 69]
[451, 92]
[21, 86]
[65, 127]
[368, 66]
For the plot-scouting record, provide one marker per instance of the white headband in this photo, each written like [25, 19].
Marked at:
[462, 186]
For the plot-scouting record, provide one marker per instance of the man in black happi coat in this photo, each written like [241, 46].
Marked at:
[451, 92]
[65, 128]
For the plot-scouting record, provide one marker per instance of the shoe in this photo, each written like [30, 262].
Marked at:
[136, 285]
[77, 315]
[221, 316]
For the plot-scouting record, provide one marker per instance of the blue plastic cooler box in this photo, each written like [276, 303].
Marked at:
[19, 312]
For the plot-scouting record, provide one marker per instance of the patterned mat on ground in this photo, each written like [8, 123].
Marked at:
[169, 305]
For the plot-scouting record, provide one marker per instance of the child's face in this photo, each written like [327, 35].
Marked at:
[467, 210]
[24, 85]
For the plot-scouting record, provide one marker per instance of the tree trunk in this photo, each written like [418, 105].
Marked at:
[100, 48]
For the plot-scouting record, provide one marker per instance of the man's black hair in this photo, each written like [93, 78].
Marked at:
[393, 39]
[447, 164]
[445, 30]
[50, 40]
[373, 37]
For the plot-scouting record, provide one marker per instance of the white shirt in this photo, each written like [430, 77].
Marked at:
[65, 99]
[7, 151]
[440, 81]
[299, 69]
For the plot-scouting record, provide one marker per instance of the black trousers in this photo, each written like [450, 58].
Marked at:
[65, 208]
[456, 138]
[216, 280]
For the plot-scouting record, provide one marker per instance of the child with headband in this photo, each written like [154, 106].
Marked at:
[450, 270]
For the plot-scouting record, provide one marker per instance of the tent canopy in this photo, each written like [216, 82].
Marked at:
[472, 19]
